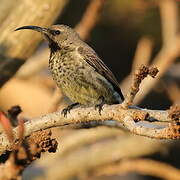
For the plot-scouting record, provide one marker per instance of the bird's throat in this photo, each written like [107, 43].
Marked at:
[54, 46]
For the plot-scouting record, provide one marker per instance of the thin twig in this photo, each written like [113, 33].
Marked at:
[141, 73]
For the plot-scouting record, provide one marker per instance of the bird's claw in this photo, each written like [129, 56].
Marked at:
[99, 107]
[65, 111]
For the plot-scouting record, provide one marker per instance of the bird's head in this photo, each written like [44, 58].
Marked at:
[58, 36]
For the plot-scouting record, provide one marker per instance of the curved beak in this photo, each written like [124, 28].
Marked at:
[34, 28]
[46, 33]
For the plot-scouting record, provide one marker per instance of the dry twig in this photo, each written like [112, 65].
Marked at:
[25, 151]
[174, 113]
[142, 72]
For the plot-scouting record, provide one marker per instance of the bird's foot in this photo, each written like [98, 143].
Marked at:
[100, 105]
[67, 110]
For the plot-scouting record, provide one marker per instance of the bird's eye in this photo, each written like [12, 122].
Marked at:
[57, 32]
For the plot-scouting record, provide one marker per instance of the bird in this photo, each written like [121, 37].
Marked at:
[77, 69]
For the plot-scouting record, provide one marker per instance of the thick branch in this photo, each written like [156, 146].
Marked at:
[126, 117]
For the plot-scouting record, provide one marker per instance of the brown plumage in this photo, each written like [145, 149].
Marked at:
[78, 70]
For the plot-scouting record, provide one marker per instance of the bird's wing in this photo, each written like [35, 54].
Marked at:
[93, 60]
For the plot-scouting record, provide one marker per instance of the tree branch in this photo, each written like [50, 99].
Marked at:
[114, 112]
